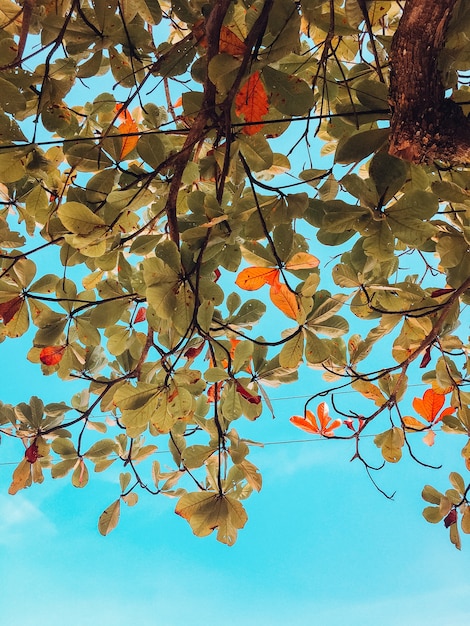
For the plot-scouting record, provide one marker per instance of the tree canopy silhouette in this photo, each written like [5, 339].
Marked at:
[135, 220]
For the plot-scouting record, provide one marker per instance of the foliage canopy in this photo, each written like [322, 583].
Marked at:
[195, 178]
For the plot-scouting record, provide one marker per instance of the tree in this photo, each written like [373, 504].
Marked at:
[160, 217]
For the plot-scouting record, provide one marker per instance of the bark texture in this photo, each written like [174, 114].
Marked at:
[425, 125]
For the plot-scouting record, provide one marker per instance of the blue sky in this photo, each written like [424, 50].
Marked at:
[321, 545]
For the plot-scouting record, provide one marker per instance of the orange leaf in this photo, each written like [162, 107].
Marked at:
[251, 102]
[122, 113]
[9, 309]
[309, 422]
[429, 405]
[253, 278]
[284, 299]
[230, 43]
[128, 142]
[51, 355]
[413, 424]
[302, 261]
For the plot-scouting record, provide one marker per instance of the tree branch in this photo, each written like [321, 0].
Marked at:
[425, 125]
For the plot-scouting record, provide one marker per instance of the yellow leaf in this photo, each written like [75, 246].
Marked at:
[21, 477]
[302, 261]
[413, 424]
[109, 518]
[370, 391]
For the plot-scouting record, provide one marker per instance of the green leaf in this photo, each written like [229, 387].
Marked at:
[371, 93]
[194, 456]
[292, 352]
[152, 150]
[78, 218]
[316, 351]
[256, 151]
[86, 157]
[103, 447]
[391, 443]
[388, 173]
[288, 94]
[215, 374]
[359, 145]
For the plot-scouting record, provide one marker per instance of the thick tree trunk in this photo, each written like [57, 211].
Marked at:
[425, 125]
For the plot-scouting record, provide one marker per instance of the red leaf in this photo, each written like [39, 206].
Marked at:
[247, 395]
[10, 308]
[426, 358]
[253, 278]
[214, 391]
[251, 103]
[141, 315]
[194, 351]
[450, 518]
[32, 453]
[51, 355]
[230, 43]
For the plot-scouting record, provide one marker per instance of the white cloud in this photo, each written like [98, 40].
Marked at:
[18, 515]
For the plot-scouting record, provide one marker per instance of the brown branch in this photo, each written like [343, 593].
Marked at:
[425, 125]
[212, 27]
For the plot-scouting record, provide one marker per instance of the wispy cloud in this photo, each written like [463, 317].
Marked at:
[17, 515]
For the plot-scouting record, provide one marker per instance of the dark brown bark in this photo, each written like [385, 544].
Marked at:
[425, 125]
